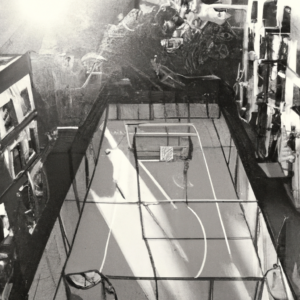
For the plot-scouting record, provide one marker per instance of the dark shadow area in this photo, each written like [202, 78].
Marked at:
[271, 193]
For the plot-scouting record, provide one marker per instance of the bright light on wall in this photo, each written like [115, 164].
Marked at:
[43, 12]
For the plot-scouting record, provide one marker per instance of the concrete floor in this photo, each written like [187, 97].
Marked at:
[126, 252]
[18, 38]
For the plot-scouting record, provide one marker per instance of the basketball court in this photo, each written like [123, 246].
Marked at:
[162, 219]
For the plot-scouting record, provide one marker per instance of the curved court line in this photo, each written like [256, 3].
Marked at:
[177, 247]
[208, 173]
[213, 191]
[205, 242]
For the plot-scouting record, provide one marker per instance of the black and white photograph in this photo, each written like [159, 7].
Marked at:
[150, 150]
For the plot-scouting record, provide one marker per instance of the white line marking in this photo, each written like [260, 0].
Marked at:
[205, 242]
[157, 184]
[213, 190]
